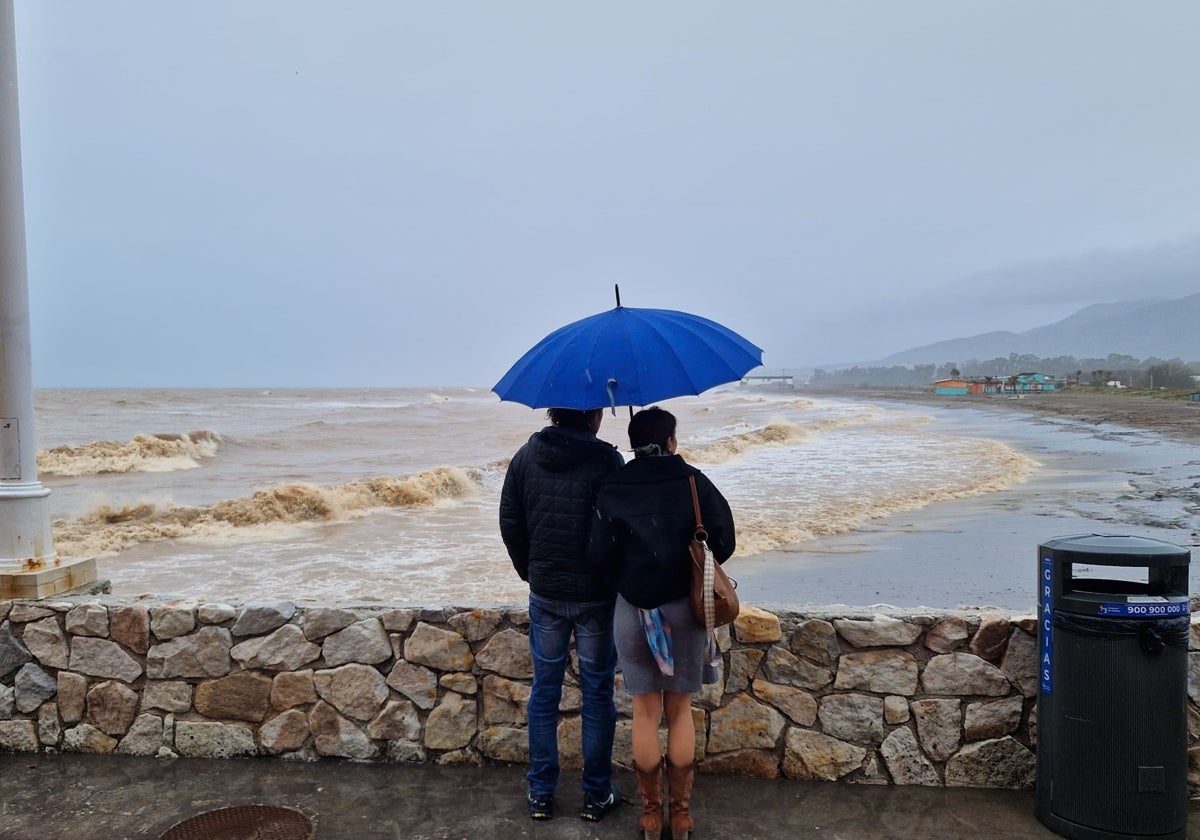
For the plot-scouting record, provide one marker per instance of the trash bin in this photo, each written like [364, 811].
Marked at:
[1112, 705]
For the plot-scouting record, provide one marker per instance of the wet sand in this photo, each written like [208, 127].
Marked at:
[1177, 419]
[1110, 464]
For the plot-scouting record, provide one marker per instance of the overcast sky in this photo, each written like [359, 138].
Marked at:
[252, 193]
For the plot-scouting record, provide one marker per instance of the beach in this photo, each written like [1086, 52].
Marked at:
[1107, 463]
[1177, 419]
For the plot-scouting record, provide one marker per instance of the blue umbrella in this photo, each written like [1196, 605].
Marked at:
[627, 356]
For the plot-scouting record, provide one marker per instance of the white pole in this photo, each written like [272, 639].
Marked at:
[25, 539]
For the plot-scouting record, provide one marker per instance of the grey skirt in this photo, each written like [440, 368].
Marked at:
[637, 663]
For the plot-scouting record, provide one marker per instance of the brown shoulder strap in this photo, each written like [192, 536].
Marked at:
[696, 503]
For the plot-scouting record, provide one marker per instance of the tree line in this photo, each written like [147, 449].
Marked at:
[1129, 371]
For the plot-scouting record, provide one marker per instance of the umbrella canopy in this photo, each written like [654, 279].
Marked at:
[627, 356]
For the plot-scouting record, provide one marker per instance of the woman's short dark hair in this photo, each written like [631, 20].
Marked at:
[570, 418]
[651, 425]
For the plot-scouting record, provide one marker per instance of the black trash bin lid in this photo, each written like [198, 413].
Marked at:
[1112, 547]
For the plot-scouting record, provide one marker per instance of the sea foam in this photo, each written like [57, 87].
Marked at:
[106, 530]
[143, 453]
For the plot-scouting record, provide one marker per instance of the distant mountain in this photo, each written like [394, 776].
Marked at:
[1165, 329]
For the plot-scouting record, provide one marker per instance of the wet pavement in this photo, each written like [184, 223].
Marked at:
[46, 797]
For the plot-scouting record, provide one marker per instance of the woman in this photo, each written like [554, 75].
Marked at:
[644, 523]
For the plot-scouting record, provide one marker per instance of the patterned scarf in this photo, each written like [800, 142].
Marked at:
[658, 636]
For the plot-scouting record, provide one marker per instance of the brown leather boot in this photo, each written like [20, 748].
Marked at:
[650, 786]
[680, 780]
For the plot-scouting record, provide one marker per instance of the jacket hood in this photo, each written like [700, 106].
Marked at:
[558, 449]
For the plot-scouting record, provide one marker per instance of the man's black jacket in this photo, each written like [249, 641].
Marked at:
[546, 510]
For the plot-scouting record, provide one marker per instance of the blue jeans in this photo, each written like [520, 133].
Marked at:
[551, 624]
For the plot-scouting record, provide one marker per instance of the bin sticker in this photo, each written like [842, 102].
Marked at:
[1047, 628]
[1143, 610]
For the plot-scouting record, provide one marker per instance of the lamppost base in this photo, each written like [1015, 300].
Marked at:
[55, 578]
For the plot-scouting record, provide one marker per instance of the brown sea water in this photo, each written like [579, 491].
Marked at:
[392, 494]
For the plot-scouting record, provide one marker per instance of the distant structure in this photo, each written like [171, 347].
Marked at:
[951, 387]
[1020, 383]
[783, 379]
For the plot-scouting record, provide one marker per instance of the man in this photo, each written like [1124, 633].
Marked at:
[546, 508]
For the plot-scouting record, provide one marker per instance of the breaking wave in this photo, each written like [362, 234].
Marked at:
[761, 529]
[107, 530]
[779, 433]
[142, 453]
[775, 433]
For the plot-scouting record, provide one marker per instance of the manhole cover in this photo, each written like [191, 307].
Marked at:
[243, 822]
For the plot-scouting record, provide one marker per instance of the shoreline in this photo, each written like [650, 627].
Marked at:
[1177, 419]
[1107, 464]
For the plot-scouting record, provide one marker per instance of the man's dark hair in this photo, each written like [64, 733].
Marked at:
[570, 418]
[651, 425]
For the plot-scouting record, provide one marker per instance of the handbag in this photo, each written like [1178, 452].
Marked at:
[714, 597]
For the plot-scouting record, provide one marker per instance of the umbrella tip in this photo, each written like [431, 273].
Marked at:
[617, 290]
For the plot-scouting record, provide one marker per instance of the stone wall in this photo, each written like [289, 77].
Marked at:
[933, 699]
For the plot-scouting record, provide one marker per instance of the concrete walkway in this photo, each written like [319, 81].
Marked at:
[45, 797]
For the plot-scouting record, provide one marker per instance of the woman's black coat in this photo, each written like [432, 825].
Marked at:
[645, 522]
